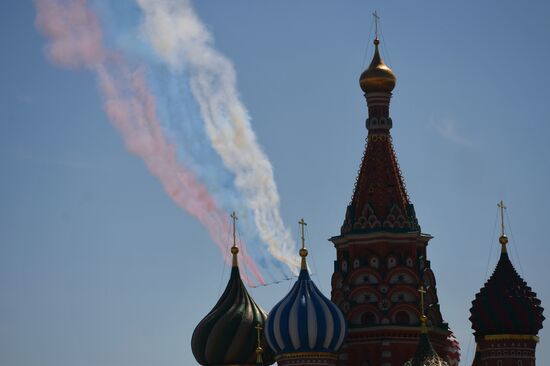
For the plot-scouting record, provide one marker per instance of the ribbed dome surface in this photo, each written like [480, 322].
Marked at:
[506, 305]
[305, 321]
[227, 335]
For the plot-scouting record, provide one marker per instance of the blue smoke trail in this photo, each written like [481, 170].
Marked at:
[182, 124]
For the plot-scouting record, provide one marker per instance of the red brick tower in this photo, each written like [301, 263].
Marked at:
[506, 316]
[381, 257]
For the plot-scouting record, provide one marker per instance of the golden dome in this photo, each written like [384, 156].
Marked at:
[378, 77]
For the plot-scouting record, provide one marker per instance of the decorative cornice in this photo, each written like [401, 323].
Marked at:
[306, 355]
[380, 202]
[376, 236]
[389, 330]
[511, 337]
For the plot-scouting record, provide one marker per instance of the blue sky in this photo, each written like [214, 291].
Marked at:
[99, 267]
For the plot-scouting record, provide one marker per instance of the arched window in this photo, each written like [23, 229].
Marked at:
[402, 318]
[499, 363]
[520, 363]
[344, 266]
[368, 318]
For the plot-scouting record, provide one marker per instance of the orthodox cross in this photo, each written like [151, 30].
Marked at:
[376, 20]
[235, 218]
[502, 208]
[422, 291]
[303, 224]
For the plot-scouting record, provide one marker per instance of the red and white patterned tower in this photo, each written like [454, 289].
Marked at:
[381, 257]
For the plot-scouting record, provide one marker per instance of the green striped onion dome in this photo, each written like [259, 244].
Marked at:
[506, 305]
[228, 334]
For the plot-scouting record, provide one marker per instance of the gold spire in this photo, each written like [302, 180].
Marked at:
[378, 77]
[234, 248]
[303, 250]
[503, 240]
[423, 317]
[259, 349]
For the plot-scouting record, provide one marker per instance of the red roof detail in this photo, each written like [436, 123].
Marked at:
[380, 201]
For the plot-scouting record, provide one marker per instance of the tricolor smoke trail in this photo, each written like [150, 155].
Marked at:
[173, 98]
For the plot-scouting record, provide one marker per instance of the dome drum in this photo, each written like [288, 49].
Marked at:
[381, 123]
[307, 359]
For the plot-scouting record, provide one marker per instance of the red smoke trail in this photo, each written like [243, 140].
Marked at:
[76, 41]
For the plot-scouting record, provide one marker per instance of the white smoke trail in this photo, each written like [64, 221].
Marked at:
[182, 41]
[75, 40]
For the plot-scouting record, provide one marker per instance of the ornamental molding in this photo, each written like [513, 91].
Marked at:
[367, 220]
[395, 219]
[412, 237]
[511, 337]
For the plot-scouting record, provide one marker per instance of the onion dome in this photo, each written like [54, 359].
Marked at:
[453, 350]
[305, 321]
[425, 354]
[378, 77]
[506, 305]
[228, 334]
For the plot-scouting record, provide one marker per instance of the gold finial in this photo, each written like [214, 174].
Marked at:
[378, 77]
[503, 240]
[376, 20]
[234, 248]
[423, 317]
[259, 348]
[303, 250]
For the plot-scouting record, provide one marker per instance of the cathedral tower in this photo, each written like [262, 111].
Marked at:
[381, 256]
[506, 316]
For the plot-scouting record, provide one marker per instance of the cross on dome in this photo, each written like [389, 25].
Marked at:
[503, 240]
[303, 250]
[376, 20]
[234, 248]
[422, 291]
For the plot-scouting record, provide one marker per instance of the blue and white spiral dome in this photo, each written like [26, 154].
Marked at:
[305, 321]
